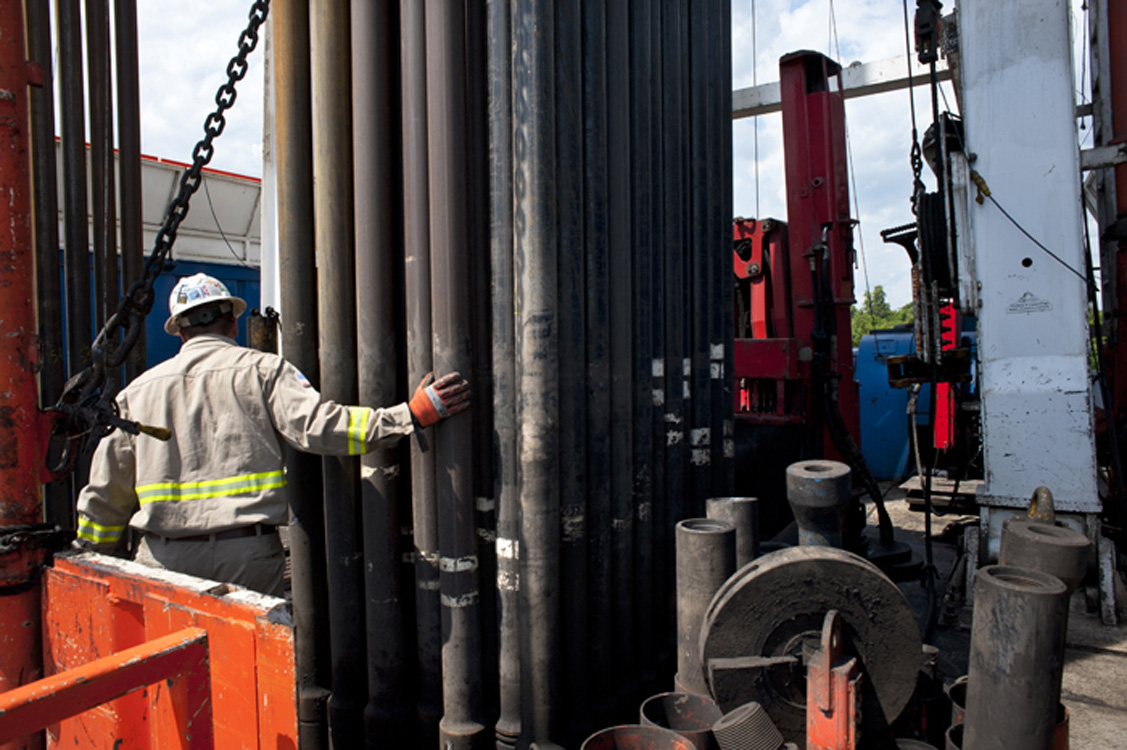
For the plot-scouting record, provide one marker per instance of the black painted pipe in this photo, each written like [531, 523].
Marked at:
[572, 369]
[298, 298]
[332, 209]
[595, 186]
[701, 300]
[463, 720]
[534, 262]
[73, 140]
[103, 199]
[129, 162]
[505, 472]
[643, 215]
[621, 339]
[416, 234]
[375, 154]
[45, 203]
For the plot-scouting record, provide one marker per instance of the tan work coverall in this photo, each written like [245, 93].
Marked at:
[229, 409]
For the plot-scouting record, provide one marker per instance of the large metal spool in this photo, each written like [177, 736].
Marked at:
[762, 619]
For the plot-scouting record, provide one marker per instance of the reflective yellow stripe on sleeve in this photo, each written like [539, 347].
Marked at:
[240, 485]
[358, 429]
[96, 532]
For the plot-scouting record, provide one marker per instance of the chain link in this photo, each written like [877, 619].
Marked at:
[82, 400]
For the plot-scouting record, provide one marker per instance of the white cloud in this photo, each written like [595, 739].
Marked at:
[184, 50]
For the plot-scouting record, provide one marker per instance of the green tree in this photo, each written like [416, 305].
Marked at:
[875, 314]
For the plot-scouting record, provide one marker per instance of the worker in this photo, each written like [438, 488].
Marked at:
[208, 502]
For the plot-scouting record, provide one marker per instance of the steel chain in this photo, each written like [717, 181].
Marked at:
[82, 401]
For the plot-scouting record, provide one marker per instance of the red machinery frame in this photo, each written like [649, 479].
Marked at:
[781, 264]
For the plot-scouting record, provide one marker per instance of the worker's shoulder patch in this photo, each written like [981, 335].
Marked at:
[302, 379]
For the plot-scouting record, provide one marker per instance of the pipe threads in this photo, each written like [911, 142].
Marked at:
[636, 737]
[747, 727]
[689, 714]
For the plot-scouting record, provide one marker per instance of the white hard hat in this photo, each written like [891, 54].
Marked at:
[191, 292]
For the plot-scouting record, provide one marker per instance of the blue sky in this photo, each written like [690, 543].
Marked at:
[185, 46]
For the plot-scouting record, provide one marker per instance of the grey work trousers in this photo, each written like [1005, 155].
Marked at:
[256, 562]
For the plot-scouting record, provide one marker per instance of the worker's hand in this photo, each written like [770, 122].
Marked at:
[443, 398]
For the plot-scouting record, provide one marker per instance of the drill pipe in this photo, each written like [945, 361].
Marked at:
[621, 340]
[643, 213]
[45, 218]
[534, 260]
[374, 27]
[103, 197]
[701, 300]
[675, 236]
[129, 162]
[332, 211]
[294, 148]
[463, 717]
[420, 361]
[73, 141]
[572, 369]
[505, 482]
[1016, 659]
[706, 557]
[598, 356]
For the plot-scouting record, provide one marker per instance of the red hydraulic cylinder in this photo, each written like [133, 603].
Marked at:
[21, 423]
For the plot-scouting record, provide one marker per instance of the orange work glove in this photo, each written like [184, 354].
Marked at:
[443, 398]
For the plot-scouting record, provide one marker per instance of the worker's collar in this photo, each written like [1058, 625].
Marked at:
[208, 339]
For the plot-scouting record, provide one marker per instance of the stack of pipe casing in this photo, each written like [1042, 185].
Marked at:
[706, 558]
[1016, 659]
[597, 361]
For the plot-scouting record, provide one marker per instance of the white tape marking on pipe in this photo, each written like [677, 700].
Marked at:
[410, 557]
[701, 457]
[687, 391]
[700, 436]
[674, 437]
[729, 448]
[485, 504]
[621, 524]
[508, 549]
[458, 602]
[488, 535]
[672, 418]
[434, 585]
[659, 396]
[508, 581]
[717, 351]
[458, 564]
[645, 511]
[716, 369]
[659, 368]
[687, 366]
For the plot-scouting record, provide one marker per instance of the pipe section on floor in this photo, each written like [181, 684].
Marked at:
[1016, 659]
[706, 558]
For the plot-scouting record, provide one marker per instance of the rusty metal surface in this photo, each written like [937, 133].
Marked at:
[636, 737]
[754, 631]
[689, 714]
[179, 661]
